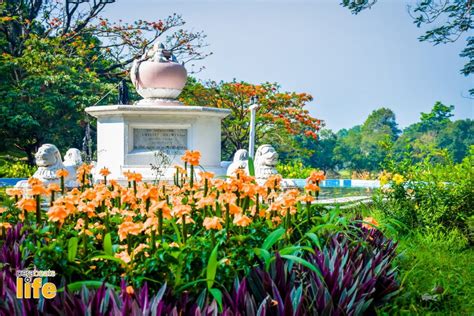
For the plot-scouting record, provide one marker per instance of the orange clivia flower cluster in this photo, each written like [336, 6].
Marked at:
[143, 216]
[192, 157]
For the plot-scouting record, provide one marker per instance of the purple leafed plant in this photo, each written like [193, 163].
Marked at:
[355, 278]
[345, 277]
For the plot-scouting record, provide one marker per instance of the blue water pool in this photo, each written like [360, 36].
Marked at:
[9, 182]
[340, 183]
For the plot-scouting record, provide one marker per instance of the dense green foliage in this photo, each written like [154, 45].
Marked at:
[16, 169]
[430, 195]
[57, 57]
[378, 142]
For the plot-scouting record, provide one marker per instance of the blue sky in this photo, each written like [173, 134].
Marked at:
[350, 64]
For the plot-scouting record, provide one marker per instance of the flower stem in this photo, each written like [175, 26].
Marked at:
[183, 218]
[160, 224]
[308, 211]
[62, 185]
[38, 209]
[84, 235]
[227, 219]
[52, 199]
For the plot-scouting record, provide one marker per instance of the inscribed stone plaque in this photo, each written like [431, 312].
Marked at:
[165, 140]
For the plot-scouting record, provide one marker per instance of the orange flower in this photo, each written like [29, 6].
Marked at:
[14, 192]
[370, 222]
[212, 223]
[206, 201]
[138, 177]
[163, 206]
[130, 290]
[82, 173]
[38, 189]
[180, 210]
[316, 176]
[206, 175]
[128, 227]
[227, 198]
[88, 208]
[28, 205]
[124, 256]
[34, 181]
[273, 182]
[133, 176]
[234, 209]
[242, 220]
[104, 172]
[62, 173]
[311, 187]
[57, 213]
[89, 194]
[54, 187]
[306, 198]
[113, 183]
[192, 157]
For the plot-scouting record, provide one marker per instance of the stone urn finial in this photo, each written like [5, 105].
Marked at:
[158, 75]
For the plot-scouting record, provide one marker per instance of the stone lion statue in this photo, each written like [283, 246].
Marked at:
[48, 159]
[266, 159]
[73, 158]
[239, 162]
[72, 161]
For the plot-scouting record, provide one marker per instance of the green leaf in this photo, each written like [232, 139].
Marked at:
[251, 167]
[291, 250]
[314, 239]
[305, 263]
[265, 255]
[273, 238]
[72, 248]
[108, 245]
[111, 258]
[211, 268]
[217, 294]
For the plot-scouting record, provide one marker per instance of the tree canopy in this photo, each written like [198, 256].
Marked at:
[57, 57]
[368, 147]
[281, 115]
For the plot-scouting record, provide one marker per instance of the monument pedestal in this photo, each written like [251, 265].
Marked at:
[130, 136]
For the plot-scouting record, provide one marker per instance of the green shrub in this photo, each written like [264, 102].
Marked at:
[427, 195]
[294, 170]
[17, 169]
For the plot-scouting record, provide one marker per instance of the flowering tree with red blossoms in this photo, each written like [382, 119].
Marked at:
[280, 117]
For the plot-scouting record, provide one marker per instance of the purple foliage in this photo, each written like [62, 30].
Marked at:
[351, 278]
[354, 278]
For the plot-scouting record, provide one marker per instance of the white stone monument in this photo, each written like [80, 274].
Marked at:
[130, 136]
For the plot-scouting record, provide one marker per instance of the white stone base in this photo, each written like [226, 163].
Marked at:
[190, 127]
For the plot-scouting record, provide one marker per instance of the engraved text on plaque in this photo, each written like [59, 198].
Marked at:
[165, 140]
